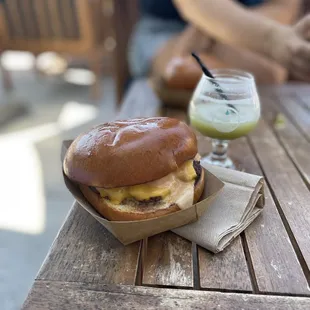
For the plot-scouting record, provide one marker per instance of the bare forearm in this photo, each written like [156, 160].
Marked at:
[230, 23]
[282, 11]
[264, 70]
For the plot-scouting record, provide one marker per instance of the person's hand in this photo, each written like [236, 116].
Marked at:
[291, 47]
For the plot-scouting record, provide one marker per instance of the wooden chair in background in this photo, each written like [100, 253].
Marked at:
[97, 30]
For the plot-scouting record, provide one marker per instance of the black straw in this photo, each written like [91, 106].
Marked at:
[218, 88]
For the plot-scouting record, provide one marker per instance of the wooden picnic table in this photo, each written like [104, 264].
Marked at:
[266, 267]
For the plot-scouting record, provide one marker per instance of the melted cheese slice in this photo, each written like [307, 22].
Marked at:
[187, 172]
[146, 191]
[176, 187]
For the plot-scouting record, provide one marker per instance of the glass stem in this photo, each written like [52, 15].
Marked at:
[219, 150]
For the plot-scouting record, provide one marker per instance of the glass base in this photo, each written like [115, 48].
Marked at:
[225, 162]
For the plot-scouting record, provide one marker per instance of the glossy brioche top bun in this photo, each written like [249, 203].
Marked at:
[129, 152]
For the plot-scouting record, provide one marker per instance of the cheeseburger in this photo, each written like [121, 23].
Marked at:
[137, 169]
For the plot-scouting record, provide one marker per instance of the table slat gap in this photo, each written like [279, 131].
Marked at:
[63, 295]
[168, 261]
[275, 263]
[302, 102]
[213, 268]
[196, 273]
[295, 113]
[91, 253]
[225, 270]
[293, 240]
[285, 222]
[139, 270]
[249, 263]
[287, 142]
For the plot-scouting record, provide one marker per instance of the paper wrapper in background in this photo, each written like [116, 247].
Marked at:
[234, 209]
[131, 231]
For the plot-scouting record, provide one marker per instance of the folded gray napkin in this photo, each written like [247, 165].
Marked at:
[234, 209]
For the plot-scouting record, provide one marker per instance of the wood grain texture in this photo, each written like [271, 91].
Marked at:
[297, 112]
[140, 101]
[226, 270]
[5, 31]
[43, 18]
[84, 18]
[84, 251]
[274, 261]
[64, 295]
[287, 185]
[292, 140]
[163, 264]
[55, 18]
[29, 18]
[13, 17]
[68, 17]
[168, 261]
[303, 97]
[87, 259]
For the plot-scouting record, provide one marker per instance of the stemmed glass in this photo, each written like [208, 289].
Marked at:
[224, 113]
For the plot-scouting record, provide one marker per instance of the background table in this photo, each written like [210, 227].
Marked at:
[266, 267]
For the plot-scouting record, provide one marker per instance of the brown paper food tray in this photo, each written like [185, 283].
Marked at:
[130, 231]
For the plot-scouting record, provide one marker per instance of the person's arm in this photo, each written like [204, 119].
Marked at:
[228, 22]
[178, 69]
[184, 73]
[283, 11]
[266, 71]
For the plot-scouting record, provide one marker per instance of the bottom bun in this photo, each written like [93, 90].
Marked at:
[115, 212]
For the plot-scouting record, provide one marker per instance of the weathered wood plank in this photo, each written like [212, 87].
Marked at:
[266, 237]
[298, 113]
[303, 98]
[14, 18]
[29, 18]
[292, 140]
[84, 251]
[225, 270]
[165, 274]
[42, 18]
[54, 17]
[287, 185]
[168, 261]
[274, 261]
[68, 19]
[64, 295]
[140, 101]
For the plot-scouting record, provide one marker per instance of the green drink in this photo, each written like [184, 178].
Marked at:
[223, 123]
[224, 110]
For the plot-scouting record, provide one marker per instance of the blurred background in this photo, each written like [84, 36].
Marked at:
[63, 69]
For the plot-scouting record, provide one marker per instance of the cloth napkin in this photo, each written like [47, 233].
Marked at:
[234, 209]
